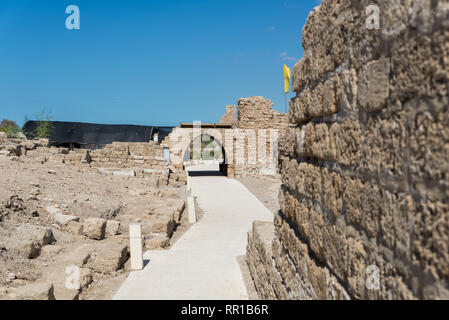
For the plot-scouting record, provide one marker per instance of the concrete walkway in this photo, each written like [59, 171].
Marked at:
[202, 264]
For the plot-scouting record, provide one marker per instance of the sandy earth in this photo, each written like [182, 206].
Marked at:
[29, 185]
[265, 189]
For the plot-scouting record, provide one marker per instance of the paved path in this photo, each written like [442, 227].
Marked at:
[202, 264]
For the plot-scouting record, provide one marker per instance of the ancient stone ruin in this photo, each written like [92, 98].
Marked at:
[364, 202]
[362, 157]
[249, 141]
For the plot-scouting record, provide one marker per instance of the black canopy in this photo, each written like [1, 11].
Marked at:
[64, 133]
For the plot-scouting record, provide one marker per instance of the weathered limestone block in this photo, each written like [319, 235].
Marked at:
[331, 92]
[310, 281]
[94, 228]
[157, 241]
[420, 68]
[110, 257]
[332, 192]
[379, 138]
[260, 260]
[65, 219]
[321, 147]
[74, 227]
[112, 228]
[33, 239]
[430, 233]
[315, 108]
[336, 250]
[429, 137]
[305, 140]
[356, 268]
[34, 291]
[315, 234]
[396, 223]
[164, 225]
[348, 143]
[374, 85]
[312, 183]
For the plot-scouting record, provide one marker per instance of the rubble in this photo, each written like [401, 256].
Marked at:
[58, 211]
[94, 228]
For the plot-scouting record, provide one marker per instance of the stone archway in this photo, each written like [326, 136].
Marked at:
[211, 151]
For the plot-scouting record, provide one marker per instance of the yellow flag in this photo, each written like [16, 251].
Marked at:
[287, 75]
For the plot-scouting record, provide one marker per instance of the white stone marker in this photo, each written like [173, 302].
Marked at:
[189, 183]
[191, 208]
[135, 239]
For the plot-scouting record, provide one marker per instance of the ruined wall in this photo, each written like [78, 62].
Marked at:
[259, 147]
[229, 117]
[365, 167]
[251, 145]
[257, 113]
[126, 154]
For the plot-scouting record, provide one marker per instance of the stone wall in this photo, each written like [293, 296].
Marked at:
[257, 113]
[126, 154]
[251, 136]
[365, 167]
[255, 122]
[229, 117]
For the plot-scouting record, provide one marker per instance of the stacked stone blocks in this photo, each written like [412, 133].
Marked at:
[364, 165]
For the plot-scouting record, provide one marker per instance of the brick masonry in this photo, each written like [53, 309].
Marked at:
[364, 163]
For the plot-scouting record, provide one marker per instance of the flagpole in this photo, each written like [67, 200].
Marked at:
[285, 96]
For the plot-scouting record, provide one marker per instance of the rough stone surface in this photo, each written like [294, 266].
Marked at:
[110, 257]
[229, 117]
[94, 228]
[364, 162]
[64, 219]
[112, 228]
[34, 291]
[74, 227]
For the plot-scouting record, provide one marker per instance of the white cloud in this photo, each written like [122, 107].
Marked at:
[271, 28]
[285, 57]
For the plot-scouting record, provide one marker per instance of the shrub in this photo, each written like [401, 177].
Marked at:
[44, 126]
[10, 128]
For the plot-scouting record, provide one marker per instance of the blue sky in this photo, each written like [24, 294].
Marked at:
[145, 62]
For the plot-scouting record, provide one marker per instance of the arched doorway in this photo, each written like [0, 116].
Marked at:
[205, 156]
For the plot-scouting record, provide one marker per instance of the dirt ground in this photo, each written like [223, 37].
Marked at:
[35, 248]
[265, 189]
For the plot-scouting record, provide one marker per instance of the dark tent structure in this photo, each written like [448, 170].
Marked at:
[163, 132]
[94, 136]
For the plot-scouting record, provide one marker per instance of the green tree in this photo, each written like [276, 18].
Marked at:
[10, 128]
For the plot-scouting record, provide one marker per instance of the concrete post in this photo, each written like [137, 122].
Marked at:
[189, 183]
[191, 208]
[136, 246]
